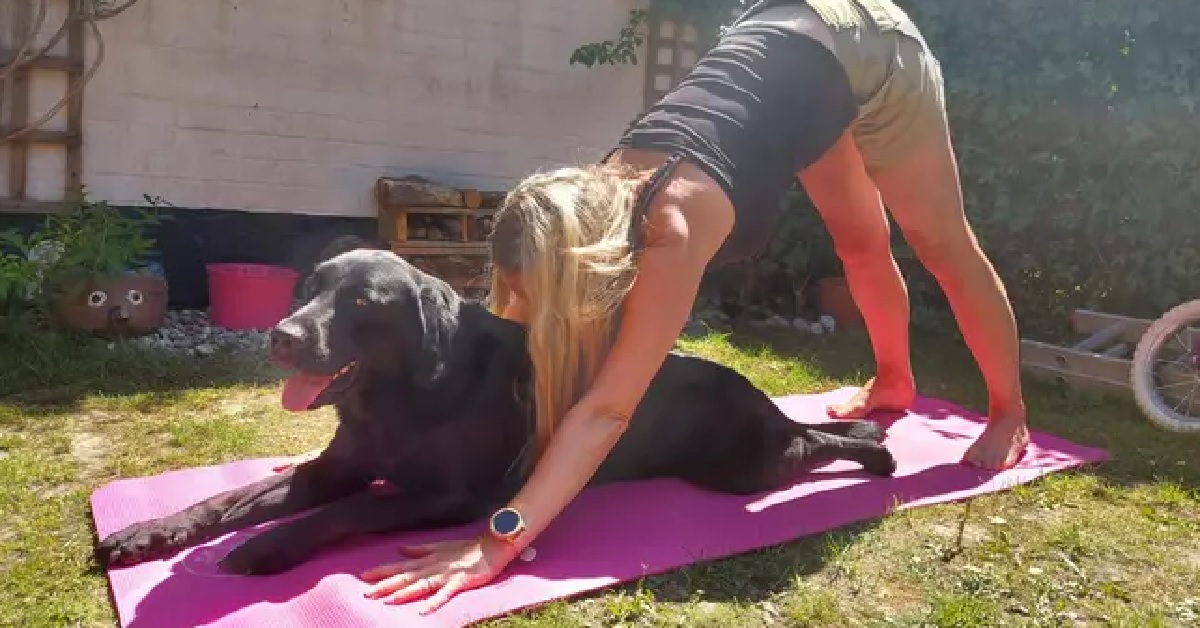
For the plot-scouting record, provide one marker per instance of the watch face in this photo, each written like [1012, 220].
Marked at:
[506, 521]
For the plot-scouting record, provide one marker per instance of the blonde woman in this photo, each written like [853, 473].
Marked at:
[842, 93]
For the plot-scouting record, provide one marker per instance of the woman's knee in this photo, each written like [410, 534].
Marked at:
[950, 252]
[860, 242]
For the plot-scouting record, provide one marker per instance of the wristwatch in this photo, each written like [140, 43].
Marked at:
[506, 524]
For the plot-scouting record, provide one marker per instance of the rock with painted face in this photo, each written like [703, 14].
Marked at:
[128, 305]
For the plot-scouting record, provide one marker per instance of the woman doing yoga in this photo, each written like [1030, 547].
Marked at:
[602, 263]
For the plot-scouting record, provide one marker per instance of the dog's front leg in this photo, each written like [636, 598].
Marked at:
[289, 544]
[297, 489]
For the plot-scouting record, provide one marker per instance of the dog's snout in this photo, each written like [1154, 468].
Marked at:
[285, 340]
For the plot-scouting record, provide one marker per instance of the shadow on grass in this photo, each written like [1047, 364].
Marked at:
[1140, 453]
[45, 372]
[759, 575]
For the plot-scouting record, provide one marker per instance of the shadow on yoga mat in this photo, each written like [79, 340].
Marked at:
[609, 535]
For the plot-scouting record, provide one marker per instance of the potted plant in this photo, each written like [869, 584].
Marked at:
[88, 272]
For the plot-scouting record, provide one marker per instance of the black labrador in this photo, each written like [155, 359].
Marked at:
[432, 394]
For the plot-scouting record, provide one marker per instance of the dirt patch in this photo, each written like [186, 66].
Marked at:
[1191, 557]
[972, 534]
[239, 403]
[89, 450]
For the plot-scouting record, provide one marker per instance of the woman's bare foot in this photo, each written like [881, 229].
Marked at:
[1002, 443]
[884, 394]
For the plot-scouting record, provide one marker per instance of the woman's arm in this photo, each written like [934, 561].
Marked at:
[682, 238]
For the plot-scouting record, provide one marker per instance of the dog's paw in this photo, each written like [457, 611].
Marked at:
[866, 430]
[140, 542]
[880, 461]
[263, 556]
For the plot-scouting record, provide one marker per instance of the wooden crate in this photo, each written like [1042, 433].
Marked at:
[406, 201]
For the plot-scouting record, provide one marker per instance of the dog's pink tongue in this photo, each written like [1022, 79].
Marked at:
[300, 391]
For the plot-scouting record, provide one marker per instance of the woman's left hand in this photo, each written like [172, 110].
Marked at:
[438, 571]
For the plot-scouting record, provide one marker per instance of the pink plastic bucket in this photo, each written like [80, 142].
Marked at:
[249, 296]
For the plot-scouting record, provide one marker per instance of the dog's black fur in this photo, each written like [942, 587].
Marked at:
[437, 404]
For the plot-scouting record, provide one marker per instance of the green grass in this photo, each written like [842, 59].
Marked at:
[1113, 545]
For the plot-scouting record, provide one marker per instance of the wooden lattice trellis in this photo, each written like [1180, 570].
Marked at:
[673, 46]
[15, 103]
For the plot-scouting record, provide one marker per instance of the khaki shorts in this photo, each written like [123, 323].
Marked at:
[896, 78]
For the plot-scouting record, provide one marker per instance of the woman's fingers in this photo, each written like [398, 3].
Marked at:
[423, 586]
[437, 571]
[414, 565]
[455, 585]
[418, 558]
[379, 572]
[390, 583]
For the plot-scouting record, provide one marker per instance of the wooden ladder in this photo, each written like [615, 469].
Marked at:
[15, 106]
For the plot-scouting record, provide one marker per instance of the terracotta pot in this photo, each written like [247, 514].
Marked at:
[834, 299]
[799, 301]
[130, 305]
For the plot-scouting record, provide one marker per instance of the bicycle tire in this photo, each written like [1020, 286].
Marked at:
[1141, 372]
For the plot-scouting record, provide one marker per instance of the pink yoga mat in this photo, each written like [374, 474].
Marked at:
[608, 535]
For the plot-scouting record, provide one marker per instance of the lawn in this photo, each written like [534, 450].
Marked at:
[1112, 545]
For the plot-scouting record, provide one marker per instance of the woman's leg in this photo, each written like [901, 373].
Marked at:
[850, 206]
[923, 193]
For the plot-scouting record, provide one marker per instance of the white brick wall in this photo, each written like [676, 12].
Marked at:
[300, 105]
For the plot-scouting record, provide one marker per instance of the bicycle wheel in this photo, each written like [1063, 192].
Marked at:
[1165, 373]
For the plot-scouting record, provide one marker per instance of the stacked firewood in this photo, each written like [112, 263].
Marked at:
[441, 229]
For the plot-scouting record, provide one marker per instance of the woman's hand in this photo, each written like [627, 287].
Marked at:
[438, 571]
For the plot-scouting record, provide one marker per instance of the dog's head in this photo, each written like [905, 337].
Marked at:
[364, 310]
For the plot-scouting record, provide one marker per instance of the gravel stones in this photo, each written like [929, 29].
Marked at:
[190, 332]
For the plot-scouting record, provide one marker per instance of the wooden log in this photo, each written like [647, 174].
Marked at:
[472, 198]
[401, 226]
[411, 190]
[433, 210]
[464, 228]
[440, 248]
[492, 199]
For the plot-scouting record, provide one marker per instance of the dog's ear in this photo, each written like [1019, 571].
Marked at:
[342, 244]
[440, 333]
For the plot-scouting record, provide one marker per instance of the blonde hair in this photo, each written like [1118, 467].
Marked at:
[565, 233]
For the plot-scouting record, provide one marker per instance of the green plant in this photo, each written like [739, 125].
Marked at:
[709, 15]
[623, 49]
[86, 239]
[17, 273]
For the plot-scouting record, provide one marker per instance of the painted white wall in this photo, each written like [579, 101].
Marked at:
[300, 105]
